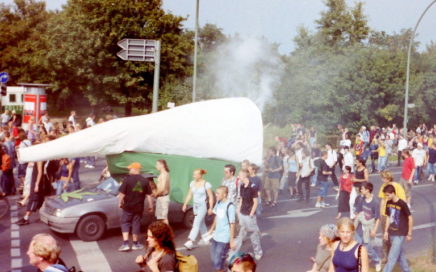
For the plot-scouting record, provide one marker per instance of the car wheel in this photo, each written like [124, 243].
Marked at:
[188, 219]
[90, 228]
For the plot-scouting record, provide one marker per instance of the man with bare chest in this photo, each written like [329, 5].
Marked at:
[162, 191]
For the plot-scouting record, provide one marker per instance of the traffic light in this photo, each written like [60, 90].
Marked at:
[3, 90]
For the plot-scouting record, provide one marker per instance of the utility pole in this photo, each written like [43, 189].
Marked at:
[194, 80]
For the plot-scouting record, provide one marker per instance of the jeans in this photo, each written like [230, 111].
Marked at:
[396, 253]
[372, 252]
[306, 182]
[218, 254]
[131, 220]
[60, 187]
[418, 172]
[323, 188]
[200, 210]
[248, 224]
[431, 169]
[382, 163]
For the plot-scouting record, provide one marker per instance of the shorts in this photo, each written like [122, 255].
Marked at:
[292, 179]
[323, 188]
[35, 202]
[131, 220]
[272, 184]
[162, 204]
[407, 187]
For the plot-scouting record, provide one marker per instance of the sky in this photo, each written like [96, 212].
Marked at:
[278, 20]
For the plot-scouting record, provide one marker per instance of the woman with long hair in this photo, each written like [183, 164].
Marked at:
[201, 192]
[292, 173]
[345, 187]
[160, 254]
[162, 193]
[327, 236]
[347, 254]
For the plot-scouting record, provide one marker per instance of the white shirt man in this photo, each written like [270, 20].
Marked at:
[418, 155]
[402, 144]
[332, 156]
[348, 159]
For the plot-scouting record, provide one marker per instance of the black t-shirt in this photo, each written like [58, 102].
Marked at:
[256, 181]
[323, 167]
[135, 188]
[398, 213]
[247, 195]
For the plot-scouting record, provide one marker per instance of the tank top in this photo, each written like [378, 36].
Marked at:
[64, 171]
[359, 175]
[346, 261]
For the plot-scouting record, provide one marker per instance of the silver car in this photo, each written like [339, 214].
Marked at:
[94, 210]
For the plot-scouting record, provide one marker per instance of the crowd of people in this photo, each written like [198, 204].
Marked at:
[293, 168]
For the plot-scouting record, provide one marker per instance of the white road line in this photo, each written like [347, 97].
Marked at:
[425, 226]
[263, 234]
[16, 260]
[90, 257]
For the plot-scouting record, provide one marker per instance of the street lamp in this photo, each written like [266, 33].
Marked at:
[194, 80]
[406, 96]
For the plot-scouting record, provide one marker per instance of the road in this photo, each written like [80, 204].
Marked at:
[289, 235]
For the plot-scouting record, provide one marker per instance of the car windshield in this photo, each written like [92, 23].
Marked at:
[110, 186]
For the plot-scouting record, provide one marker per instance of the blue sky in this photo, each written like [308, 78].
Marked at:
[278, 20]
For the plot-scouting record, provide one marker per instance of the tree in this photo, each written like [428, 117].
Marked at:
[20, 46]
[83, 45]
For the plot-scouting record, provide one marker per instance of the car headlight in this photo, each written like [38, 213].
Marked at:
[58, 213]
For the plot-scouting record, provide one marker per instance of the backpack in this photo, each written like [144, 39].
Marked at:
[186, 263]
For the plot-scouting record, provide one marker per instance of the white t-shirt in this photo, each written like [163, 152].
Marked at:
[89, 122]
[332, 158]
[349, 160]
[419, 156]
[402, 144]
[346, 142]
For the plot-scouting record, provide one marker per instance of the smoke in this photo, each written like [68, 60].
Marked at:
[245, 67]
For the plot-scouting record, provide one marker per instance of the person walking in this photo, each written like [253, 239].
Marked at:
[419, 157]
[398, 229]
[132, 193]
[327, 236]
[347, 254]
[163, 188]
[305, 172]
[382, 155]
[345, 187]
[64, 183]
[431, 160]
[231, 182]
[407, 174]
[368, 221]
[161, 251]
[273, 168]
[222, 229]
[374, 154]
[361, 175]
[332, 158]
[292, 173]
[201, 192]
[247, 216]
[323, 173]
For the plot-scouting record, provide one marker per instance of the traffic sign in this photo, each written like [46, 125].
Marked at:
[137, 50]
[4, 77]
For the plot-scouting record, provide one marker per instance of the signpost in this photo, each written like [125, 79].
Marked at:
[143, 50]
[4, 77]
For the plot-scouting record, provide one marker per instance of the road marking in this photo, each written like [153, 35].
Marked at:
[90, 257]
[263, 234]
[425, 226]
[16, 263]
[15, 252]
[16, 260]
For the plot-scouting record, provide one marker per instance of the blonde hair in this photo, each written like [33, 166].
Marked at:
[201, 171]
[345, 221]
[387, 175]
[46, 247]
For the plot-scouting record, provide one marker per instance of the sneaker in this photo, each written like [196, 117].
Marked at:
[124, 247]
[91, 166]
[22, 222]
[189, 244]
[325, 205]
[318, 205]
[258, 257]
[137, 246]
[378, 267]
[416, 182]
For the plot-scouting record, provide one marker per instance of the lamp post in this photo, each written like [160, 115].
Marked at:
[194, 80]
[406, 95]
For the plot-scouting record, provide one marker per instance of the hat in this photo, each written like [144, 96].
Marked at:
[134, 165]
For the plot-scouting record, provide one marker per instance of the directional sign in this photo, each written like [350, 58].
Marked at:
[4, 77]
[137, 50]
[297, 213]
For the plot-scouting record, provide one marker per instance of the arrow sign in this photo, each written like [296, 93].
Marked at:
[297, 214]
[137, 50]
[4, 77]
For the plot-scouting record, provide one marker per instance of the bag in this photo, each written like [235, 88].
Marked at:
[188, 263]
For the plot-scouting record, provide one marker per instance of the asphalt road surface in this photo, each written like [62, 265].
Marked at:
[289, 235]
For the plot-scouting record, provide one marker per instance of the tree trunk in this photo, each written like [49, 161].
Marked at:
[128, 109]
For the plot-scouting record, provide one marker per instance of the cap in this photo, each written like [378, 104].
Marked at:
[134, 165]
